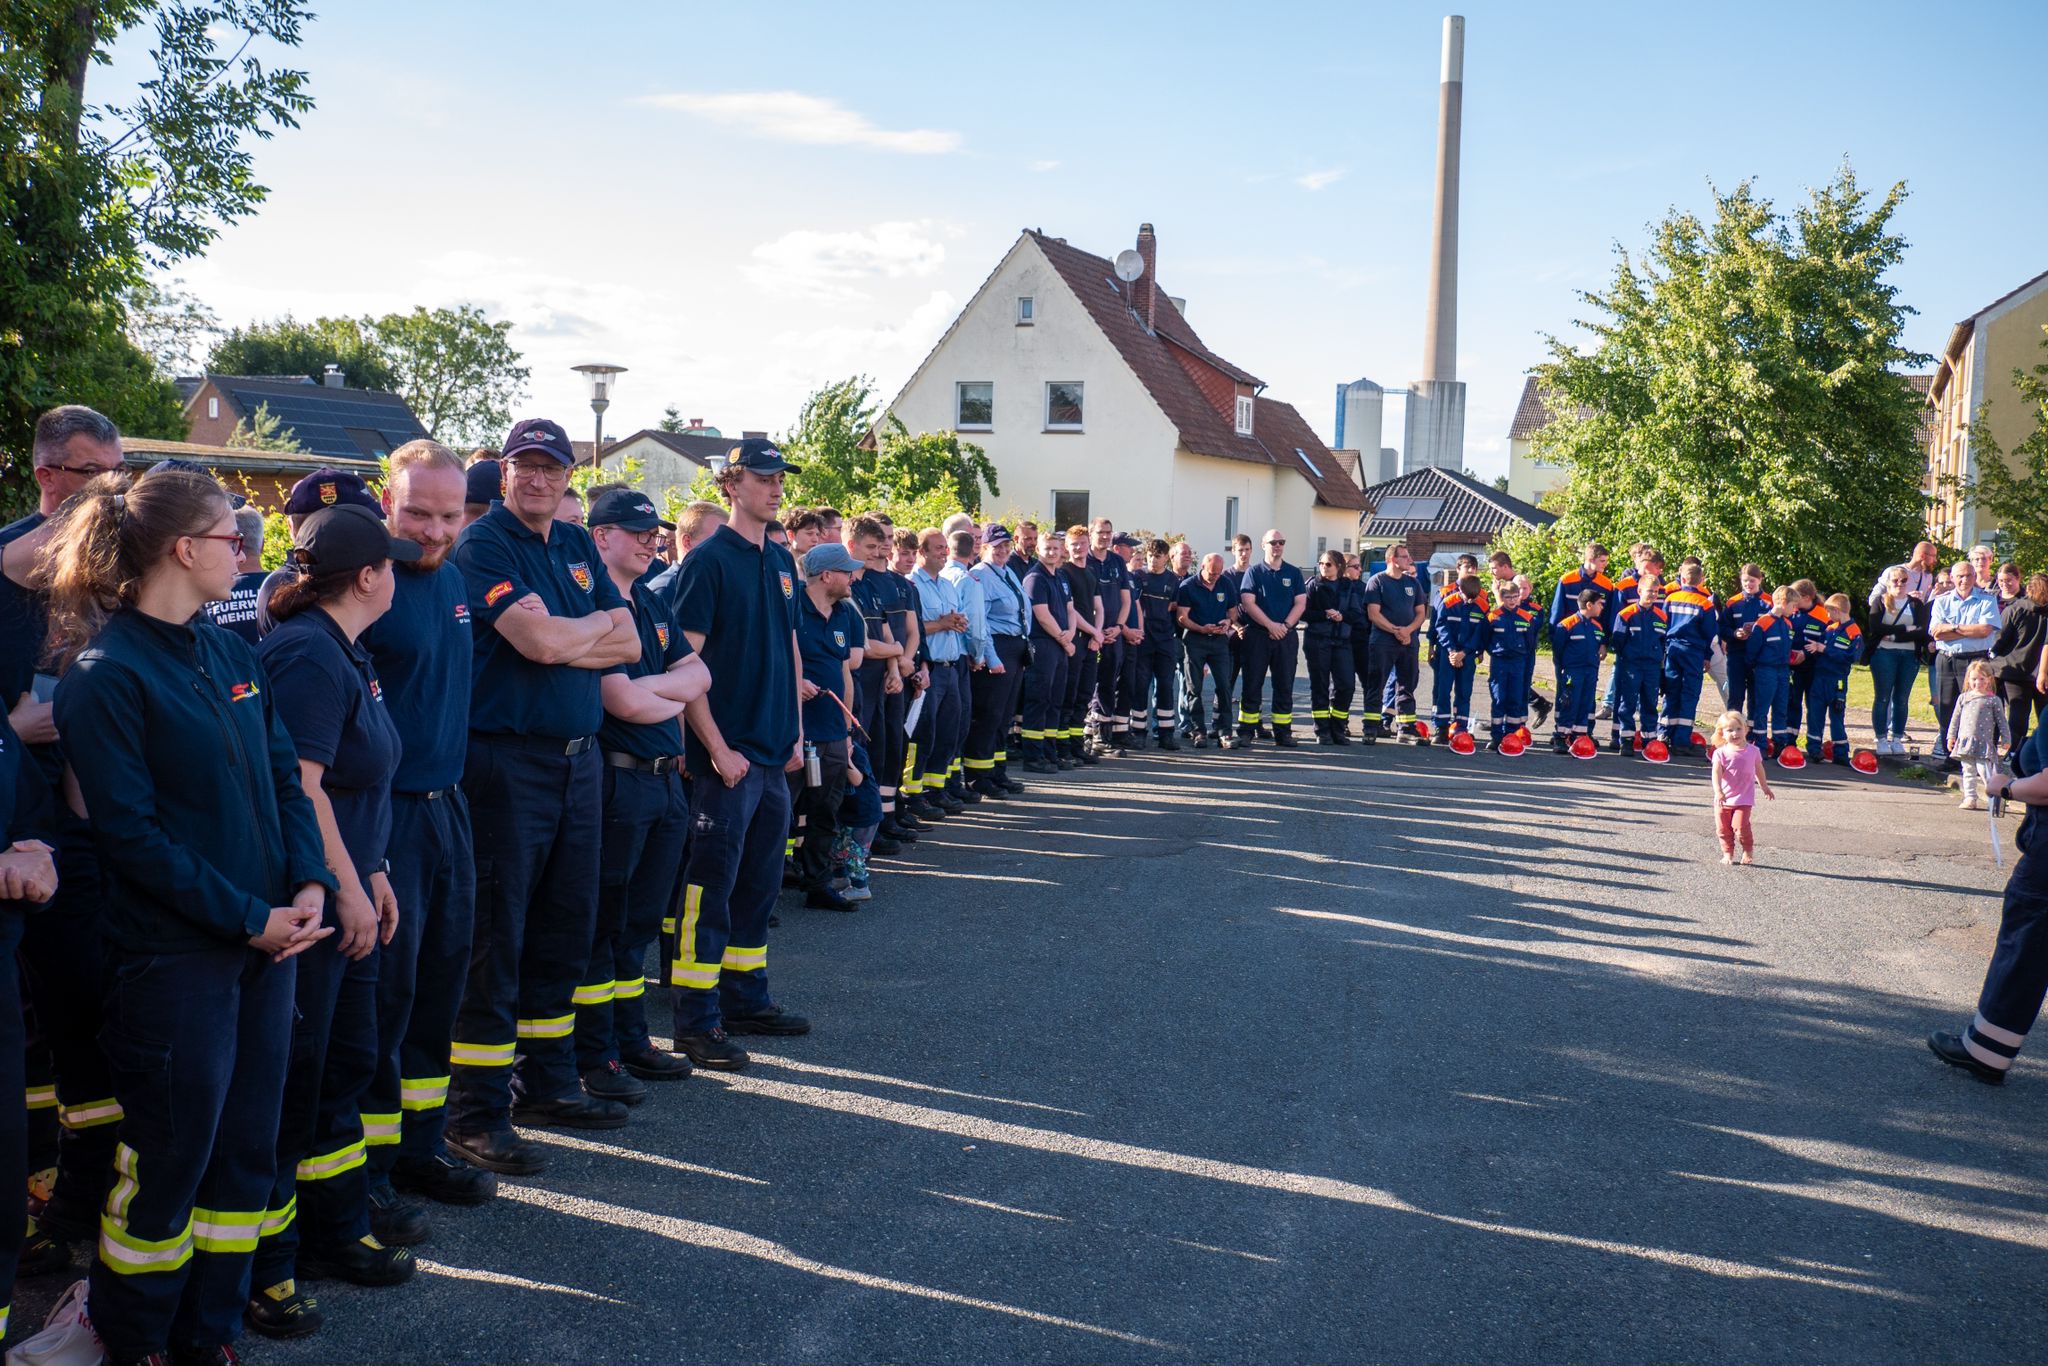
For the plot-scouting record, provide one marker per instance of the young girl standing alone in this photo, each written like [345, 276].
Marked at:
[1738, 773]
[1978, 731]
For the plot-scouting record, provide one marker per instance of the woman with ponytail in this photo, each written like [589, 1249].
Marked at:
[333, 707]
[214, 881]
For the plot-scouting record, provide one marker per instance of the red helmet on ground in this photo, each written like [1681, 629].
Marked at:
[1514, 743]
[1864, 761]
[1463, 743]
[1699, 741]
[1827, 750]
[1422, 730]
[1638, 742]
[1657, 752]
[1584, 747]
[1791, 756]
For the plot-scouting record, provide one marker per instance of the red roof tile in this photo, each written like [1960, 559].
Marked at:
[1293, 443]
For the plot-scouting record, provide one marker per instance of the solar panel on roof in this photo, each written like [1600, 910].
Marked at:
[1411, 509]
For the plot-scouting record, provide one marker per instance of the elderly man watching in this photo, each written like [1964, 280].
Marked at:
[1961, 625]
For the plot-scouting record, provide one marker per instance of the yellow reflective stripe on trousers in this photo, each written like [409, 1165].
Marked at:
[685, 970]
[126, 1168]
[627, 991]
[90, 1115]
[739, 959]
[344, 1159]
[126, 1255]
[594, 994]
[278, 1220]
[380, 1129]
[668, 924]
[481, 1054]
[221, 1231]
[42, 1097]
[422, 1093]
[554, 1027]
[981, 765]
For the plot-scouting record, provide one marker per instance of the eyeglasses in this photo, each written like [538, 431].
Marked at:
[547, 472]
[1278, 540]
[84, 471]
[648, 538]
[235, 539]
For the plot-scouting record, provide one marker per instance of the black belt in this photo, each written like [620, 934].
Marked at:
[1973, 654]
[437, 794]
[667, 763]
[538, 744]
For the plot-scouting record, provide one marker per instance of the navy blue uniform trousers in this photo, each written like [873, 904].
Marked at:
[737, 837]
[1045, 693]
[1264, 657]
[646, 822]
[534, 816]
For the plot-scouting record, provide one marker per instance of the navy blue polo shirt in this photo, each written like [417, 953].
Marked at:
[661, 645]
[327, 694]
[900, 601]
[237, 611]
[1206, 606]
[872, 600]
[1274, 590]
[1047, 588]
[422, 649]
[1111, 576]
[1400, 600]
[501, 562]
[827, 642]
[741, 598]
[1152, 598]
[24, 622]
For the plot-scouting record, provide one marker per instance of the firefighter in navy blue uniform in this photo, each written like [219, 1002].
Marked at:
[1131, 633]
[28, 879]
[422, 652]
[1809, 632]
[1205, 607]
[1510, 650]
[830, 640]
[1052, 651]
[1827, 695]
[1695, 622]
[2017, 979]
[1233, 584]
[737, 604]
[1001, 682]
[1638, 667]
[1154, 677]
[1737, 617]
[1086, 663]
[890, 757]
[1397, 604]
[1458, 631]
[1273, 595]
[332, 704]
[646, 812]
[1772, 641]
[1592, 573]
[1577, 645]
[1113, 585]
[1357, 609]
[1326, 644]
[214, 876]
[547, 623]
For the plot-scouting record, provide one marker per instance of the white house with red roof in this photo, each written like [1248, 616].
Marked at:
[1094, 398]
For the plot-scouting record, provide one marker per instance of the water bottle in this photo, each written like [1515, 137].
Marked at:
[814, 771]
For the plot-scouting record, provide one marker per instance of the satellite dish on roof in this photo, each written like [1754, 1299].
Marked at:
[1129, 265]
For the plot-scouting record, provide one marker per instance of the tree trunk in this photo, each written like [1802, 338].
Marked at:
[69, 58]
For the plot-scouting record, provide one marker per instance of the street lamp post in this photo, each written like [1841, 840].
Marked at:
[602, 379]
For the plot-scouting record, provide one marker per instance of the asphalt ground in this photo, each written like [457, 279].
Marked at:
[1367, 1054]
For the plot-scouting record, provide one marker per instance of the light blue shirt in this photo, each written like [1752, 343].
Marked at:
[937, 596]
[1953, 609]
[1004, 594]
[974, 602]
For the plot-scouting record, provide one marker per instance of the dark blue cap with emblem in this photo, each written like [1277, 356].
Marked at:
[758, 455]
[328, 487]
[628, 508]
[538, 434]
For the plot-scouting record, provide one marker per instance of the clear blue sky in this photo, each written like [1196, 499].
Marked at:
[742, 202]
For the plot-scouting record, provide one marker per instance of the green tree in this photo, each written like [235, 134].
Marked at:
[171, 325]
[2017, 500]
[289, 347]
[456, 369]
[1743, 400]
[672, 420]
[94, 194]
[825, 445]
[261, 431]
[929, 467]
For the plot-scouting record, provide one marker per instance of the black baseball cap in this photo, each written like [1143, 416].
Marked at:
[329, 487]
[995, 533]
[348, 536]
[484, 482]
[758, 455]
[1124, 538]
[538, 434]
[627, 508]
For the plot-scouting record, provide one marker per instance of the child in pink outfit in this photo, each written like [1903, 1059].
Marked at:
[1738, 773]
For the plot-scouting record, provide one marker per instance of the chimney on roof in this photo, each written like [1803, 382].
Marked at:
[1148, 248]
[332, 376]
[696, 422]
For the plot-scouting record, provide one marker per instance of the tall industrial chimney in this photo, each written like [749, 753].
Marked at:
[1434, 421]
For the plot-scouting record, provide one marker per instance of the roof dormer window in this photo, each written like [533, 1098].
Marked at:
[1244, 415]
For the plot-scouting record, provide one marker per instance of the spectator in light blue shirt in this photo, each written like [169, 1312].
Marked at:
[959, 572]
[936, 759]
[1961, 625]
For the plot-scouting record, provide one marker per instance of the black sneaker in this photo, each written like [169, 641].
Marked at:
[652, 1064]
[907, 822]
[42, 1254]
[362, 1262]
[397, 1221]
[951, 805]
[570, 1112]
[884, 847]
[1950, 1050]
[773, 1020]
[1166, 741]
[966, 795]
[1040, 766]
[498, 1151]
[1559, 743]
[712, 1050]
[825, 899]
[1091, 760]
[283, 1311]
[986, 787]
[613, 1082]
[1284, 738]
[929, 813]
[1009, 784]
[446, 1179]
[1541, 705]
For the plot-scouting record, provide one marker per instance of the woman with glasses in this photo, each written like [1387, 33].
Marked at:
[333, 706]
[214, 880]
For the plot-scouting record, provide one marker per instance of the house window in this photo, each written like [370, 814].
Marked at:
[1069, 508]
[1063, 406]
[974, 406]
[1244, 416]
[1229, 520]
[1347, 545]
[1322, 544]
[1024, 310]
[213, 405]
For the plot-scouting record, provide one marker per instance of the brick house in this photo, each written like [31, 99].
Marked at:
[331, 421]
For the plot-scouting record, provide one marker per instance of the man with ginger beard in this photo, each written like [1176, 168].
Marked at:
[422, 651]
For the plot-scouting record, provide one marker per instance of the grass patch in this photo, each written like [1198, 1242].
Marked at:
[1925, 776]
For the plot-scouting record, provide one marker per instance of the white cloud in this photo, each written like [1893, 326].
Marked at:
[1319, 180]
[808, 264]
[887, 352]
[1047, 165]
[791, 116]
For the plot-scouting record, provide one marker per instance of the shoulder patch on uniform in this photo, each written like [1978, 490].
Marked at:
[661, 634]
[497, 591]
[580, 572]
[788, 585]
